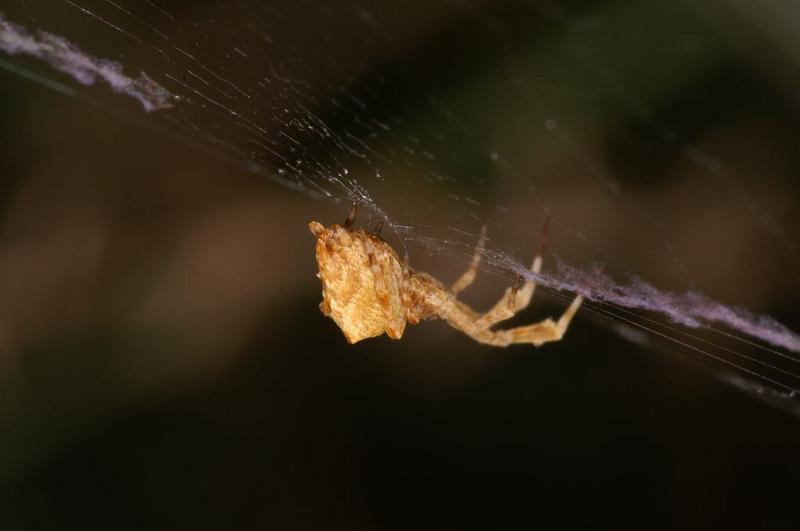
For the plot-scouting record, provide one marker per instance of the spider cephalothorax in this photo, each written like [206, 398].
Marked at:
[368, 291]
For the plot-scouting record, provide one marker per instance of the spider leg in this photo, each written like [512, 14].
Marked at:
[351, 217]
[468, 277]
[536, 334]
[460, 317]
[514, 299]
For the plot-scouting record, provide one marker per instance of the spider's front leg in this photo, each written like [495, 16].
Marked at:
[536, 334]
[515, 300]
[468, 277]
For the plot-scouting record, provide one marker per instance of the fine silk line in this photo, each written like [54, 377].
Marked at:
[597, 309]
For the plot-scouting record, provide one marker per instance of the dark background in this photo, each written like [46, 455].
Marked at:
[163, 362]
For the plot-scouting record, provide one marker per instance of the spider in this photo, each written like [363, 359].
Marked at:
[368, 291]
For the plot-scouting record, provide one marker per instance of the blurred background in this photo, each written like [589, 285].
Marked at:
[163, 361]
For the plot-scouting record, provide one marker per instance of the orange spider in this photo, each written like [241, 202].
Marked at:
[368, 291]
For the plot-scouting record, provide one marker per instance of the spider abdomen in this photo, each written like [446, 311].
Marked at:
[361, 282]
